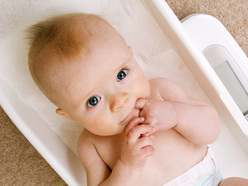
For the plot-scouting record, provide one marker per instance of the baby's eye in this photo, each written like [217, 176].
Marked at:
[121, 75]
[93, 101]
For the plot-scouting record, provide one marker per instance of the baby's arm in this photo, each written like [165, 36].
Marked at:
[195, 120]
[137, 146]
[94, 166]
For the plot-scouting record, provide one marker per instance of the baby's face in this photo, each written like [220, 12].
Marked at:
[103, 88]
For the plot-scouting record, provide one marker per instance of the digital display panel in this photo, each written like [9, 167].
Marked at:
[233, 85]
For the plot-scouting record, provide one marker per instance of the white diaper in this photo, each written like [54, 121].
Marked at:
[205, 173]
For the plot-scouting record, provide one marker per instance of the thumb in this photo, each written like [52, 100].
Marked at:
[140, 103]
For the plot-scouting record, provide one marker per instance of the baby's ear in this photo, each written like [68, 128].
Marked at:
[131, 50]
[59, 111]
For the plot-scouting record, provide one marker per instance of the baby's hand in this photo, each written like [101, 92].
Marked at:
[160, 114]
[137, 144]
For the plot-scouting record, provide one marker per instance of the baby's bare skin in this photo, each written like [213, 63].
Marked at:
[172, 154]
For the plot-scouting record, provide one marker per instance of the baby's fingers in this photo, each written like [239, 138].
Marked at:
[139, 131]
[133, 123]
[140, 103]
[146, 146]
[147, 151]
[145, 141]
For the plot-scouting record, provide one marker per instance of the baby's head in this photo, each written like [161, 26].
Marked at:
[85, 68]
[58, 42]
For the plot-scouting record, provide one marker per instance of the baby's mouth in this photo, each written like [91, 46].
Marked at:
[131, 115]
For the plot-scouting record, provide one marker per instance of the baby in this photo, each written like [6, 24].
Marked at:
[137, 131]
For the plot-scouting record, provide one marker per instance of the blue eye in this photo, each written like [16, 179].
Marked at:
[121, 75]
[93, 101]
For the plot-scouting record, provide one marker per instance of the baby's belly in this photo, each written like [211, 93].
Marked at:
[173, 156]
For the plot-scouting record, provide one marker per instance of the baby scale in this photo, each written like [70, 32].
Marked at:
[230, 64]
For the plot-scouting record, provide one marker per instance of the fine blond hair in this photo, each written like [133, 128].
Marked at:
[57, 41]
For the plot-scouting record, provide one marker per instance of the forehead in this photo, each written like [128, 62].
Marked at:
[90, 72]
[102, 59]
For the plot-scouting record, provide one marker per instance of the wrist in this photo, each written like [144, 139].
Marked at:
[125, 174]
[128, 169]
[122, 175]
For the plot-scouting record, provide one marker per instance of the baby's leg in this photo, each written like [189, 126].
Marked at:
[234, 181]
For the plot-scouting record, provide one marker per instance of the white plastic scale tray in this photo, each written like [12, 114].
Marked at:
[231, 65]
[62, 158]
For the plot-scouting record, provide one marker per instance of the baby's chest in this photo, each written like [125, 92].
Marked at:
[110, 150]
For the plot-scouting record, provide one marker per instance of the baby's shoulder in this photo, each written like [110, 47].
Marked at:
[85, 135]
[86, 148]
[85, 140]
[157, 82]
[161, 84]
[88, 140]
[166, 88]
[89, 156]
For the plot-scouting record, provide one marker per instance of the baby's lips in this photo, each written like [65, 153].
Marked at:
[133, 114]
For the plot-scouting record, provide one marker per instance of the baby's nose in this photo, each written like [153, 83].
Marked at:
[118, 100]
